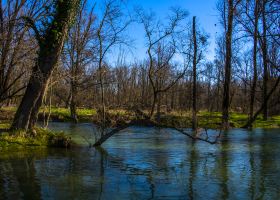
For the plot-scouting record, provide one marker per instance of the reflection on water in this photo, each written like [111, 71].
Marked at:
[146, 163]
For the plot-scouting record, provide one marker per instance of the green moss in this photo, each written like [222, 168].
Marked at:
[38, 137]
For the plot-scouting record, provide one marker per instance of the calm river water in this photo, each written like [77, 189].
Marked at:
[146, 163]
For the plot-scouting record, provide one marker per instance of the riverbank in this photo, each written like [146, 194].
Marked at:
[39, 137]
[179, 119]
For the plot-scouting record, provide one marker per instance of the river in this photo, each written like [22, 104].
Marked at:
[146, 163]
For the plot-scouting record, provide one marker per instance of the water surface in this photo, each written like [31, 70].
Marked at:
[146, 163]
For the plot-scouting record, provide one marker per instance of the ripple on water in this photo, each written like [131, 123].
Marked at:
[146, 163]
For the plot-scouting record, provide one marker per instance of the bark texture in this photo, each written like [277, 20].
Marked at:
[50, 47]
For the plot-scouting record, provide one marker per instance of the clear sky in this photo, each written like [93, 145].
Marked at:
[205, 10]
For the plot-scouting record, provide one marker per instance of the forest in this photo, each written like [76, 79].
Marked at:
[75, 62]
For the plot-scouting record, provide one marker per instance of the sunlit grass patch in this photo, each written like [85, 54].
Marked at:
[182, 118]
[4, 125]
[273, 122]
[37, 137]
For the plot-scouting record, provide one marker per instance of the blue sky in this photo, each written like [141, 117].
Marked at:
[205, 10]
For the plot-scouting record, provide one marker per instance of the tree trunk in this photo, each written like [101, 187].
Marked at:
[153, 104]
[50, 47]
[73, 103]
[30, 101]
[103, 108]
[265, 67]
[218, 93]
[68, 100]
[251, 121]
[254, 84]
[35, 111]
[194, 95]
[226, 93]
[158, 108]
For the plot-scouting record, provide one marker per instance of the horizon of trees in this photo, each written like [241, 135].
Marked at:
[58, 54]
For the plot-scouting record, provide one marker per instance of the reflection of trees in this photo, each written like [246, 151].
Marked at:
[90, 174]
[26, 177]
[266, 161]
[103, 154]
[223, 166]
[128, 169]
[193, 169]
[252, 167]
[8, 185]
[18, 178]
[162, 160]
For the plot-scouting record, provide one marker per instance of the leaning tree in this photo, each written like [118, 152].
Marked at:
[50, 36]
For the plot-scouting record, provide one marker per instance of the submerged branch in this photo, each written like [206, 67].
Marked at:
[215, 141]
[151, 123]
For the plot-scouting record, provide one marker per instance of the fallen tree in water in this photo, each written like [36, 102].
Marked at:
[143, 120]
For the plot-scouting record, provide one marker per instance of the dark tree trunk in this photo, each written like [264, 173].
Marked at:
[29, 101]
[73, 103]
[254, 82]
[218, 93]
[265, 66]
[35, 111]
[226, 93]
[172, 100]
[153, 104]
[51, 44]
[194, 94]
[68, 100]
[158, 107]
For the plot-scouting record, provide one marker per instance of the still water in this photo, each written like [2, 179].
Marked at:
[146, 163]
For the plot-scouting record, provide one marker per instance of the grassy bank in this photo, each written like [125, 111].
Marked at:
[37, 138]
[181, 119]
[213, 120]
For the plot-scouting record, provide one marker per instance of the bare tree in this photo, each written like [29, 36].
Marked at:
[17, 49]
[111, 26]
[228, 13]
[249, 20]
[194, 94]
[79, 53]
[161, 49]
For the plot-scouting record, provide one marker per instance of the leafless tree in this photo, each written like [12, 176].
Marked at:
[79, 52]
[110, 31]
[16, 44]
[161, 48]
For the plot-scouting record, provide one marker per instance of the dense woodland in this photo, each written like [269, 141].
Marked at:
[58, 53]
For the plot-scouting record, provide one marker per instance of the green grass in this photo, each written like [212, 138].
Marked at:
[182, 118]
[63, 114]
[44, 138]
[38, 137]
[4, 125]
[213, 120]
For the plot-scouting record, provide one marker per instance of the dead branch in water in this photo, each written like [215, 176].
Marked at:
[147, 122]
[206, 139]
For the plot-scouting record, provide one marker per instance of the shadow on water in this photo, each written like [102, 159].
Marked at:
[147, 163]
